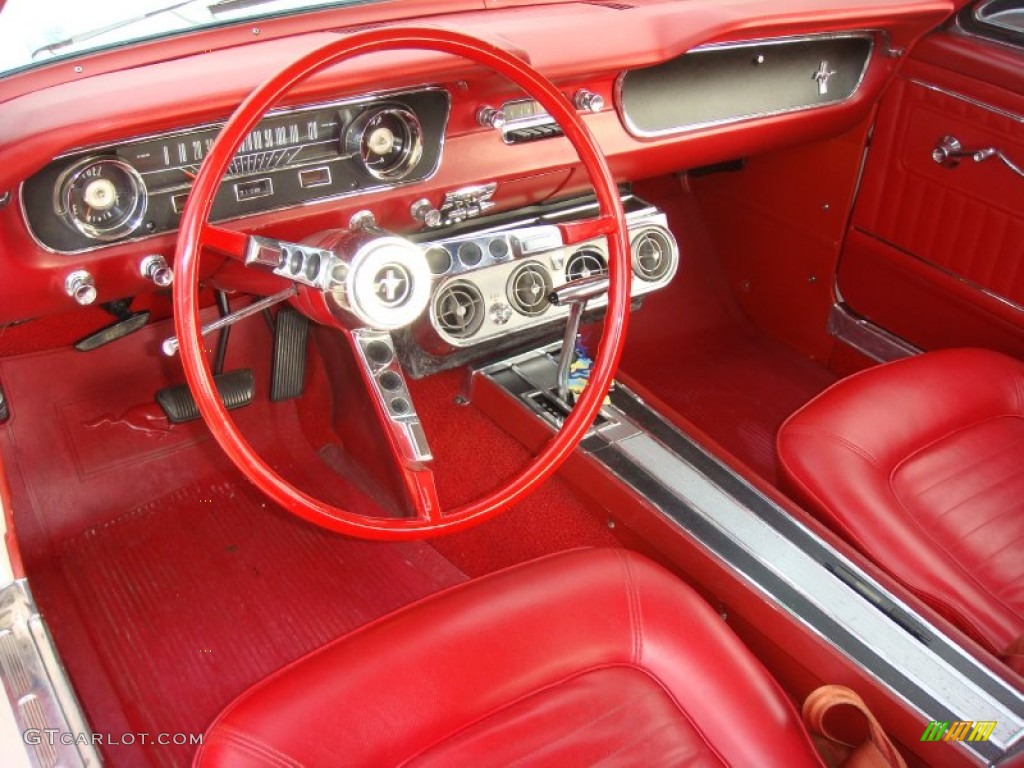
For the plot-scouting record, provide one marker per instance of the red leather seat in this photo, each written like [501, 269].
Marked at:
[920, 464]
[584, 658]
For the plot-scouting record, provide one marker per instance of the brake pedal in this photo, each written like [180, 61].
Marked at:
[288, 374]
[236, 388]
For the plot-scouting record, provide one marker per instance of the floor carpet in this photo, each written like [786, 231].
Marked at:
[198, 594]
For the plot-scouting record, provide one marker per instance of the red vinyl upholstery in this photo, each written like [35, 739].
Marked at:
[920, 464]
[591, 657]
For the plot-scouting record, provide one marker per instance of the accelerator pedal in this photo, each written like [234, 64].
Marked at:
[236, 388]
[288, 375]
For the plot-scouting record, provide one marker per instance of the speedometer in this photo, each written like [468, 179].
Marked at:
[387, 140]
[103, 198]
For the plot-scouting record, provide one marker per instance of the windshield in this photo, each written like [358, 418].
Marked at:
[33, 32]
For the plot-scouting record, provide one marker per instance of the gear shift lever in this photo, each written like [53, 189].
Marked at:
[575, 294]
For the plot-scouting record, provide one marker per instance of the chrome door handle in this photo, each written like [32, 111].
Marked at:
[949, 151]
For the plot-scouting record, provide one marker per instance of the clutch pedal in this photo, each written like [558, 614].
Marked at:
[236, 388]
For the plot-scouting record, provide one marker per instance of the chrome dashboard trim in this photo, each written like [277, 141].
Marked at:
[369, 98]
[871, 35]
[541, 243]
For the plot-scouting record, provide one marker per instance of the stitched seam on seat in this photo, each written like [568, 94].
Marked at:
[601, 716]
[646, 734]
[929, 594]
[978, 461]
[976, 494]
[951, 433]
[257, 748]
[1011, 542]
[554, 684]
[938, 544]
[819, 432]
[633, 601]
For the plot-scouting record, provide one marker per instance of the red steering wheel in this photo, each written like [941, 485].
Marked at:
[197, 233]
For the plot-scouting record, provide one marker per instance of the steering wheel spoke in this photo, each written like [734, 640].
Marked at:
[383, 377]
[229, 242]
[303, 264]
[574, 232]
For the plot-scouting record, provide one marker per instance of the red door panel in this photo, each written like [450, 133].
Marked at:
[936, 253]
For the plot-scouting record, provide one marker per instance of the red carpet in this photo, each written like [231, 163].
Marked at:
[693, 347]
[170, 584]
[200, 593]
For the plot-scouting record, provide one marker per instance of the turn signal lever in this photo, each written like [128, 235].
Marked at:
[575, 295]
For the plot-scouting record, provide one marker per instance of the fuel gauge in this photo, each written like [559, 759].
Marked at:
[388, 141]
[103, 198]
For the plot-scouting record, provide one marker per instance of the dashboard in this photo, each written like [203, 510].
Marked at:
[98, 164]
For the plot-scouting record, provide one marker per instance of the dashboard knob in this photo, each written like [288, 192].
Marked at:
[500, 313]
[588, 100]
[364, 220]
[425, 213]
[489, 117]
[81, 287]
[155, 268]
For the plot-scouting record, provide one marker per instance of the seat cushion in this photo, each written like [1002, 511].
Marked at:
[920, 464]
[591, 657]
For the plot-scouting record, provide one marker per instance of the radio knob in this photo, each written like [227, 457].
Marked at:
[489, 117]
[588, 100]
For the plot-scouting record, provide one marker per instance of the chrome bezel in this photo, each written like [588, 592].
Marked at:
[126, 225]
[435, 299]
[591, 250]
[534, 267]
[412, 146]
[671, 253]
[641, 133]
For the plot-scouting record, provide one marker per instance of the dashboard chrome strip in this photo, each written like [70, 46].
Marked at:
[366, 98]
[642, 133]
[969, 100]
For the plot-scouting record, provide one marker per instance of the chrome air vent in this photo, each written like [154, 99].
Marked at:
[528, 288]
[459, 309]
[586, 262]
[653, 254]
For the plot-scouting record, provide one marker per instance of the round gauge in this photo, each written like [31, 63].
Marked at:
[102, 198]
[387, 140]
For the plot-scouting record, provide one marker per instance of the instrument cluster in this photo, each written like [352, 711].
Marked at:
[139, 187]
